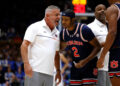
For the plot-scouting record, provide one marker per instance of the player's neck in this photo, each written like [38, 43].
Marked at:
[72, 27]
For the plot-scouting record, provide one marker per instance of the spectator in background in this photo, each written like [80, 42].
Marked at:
[11, 33]
[11, 63]
[20, 76]
[9, 77]
[4, 62]
[18, 62]
[2, 77]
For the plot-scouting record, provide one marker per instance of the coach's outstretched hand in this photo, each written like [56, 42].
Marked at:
[58, 77]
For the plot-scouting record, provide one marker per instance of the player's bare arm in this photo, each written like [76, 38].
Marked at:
[111, 16]
[92, 55]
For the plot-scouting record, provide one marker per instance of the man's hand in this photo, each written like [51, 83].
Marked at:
[58, 77]
[28, 70]
[80, 64]
[100, 62]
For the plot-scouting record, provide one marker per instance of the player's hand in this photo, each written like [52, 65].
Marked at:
[28, 70]
[100, 63]
[58, 77]
[80, 64]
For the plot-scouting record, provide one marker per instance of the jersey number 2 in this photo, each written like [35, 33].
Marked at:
[75, 52]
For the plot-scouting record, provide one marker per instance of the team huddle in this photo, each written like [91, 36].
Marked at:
[93, 48]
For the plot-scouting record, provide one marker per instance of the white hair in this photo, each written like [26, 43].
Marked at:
[50, 8]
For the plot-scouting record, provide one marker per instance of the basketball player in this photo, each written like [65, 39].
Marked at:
[83, 46]
[112, 42]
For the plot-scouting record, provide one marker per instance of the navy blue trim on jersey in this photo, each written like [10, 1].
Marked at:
[87, 33]
[62, 35]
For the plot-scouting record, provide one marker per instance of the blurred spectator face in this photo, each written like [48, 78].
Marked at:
[19, 70]
[9, 69]
[100, 12]
[11, 30]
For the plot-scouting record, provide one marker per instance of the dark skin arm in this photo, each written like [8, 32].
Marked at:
[111, 16]
[57, 66]
[92, 55]
[24, 54]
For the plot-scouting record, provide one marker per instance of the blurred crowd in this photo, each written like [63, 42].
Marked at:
[11, 65]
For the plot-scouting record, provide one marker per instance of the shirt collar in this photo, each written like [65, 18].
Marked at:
[44, 23]
[99, 23]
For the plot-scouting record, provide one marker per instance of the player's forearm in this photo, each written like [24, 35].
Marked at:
[109, 41]
[93, 53]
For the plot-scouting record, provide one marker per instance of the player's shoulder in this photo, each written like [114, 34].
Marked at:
[111, 11]
[84, 26]
[85, 29]
[113, 8]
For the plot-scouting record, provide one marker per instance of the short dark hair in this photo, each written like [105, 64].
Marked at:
[69, 13]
